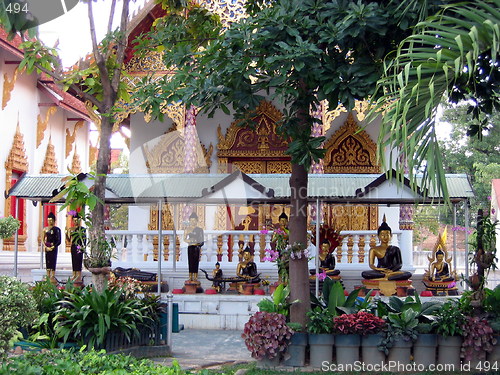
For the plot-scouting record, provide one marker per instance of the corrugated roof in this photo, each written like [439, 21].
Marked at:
[189, 186]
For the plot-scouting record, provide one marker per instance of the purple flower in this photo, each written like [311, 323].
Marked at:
[264, 231]
[493, 211]
[452, 284]
[322, 275]
[72, 213]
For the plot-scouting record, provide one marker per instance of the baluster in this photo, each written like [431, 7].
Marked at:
[268, 241]
[366, 249]
[214, 239]
[235, 249]
[140, 248]
[130, 246]
[148, 248]
[246, 240]
[171, 247]
[225, 247]
[208, 248]
[355, 249]
[344, 249]
[256, 248]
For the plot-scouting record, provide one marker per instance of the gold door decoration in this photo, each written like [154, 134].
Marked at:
[257, 149]
[351, 150]
[16, 162]
[50, 162]
[70, 137]
[168, 155]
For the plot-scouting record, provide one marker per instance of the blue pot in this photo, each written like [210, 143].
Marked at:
[296, 351]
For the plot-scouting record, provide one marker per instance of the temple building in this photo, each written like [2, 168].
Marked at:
[43, 131]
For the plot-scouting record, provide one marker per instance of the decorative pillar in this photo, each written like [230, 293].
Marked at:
[317, 168]
[406, 241]
[190, 139]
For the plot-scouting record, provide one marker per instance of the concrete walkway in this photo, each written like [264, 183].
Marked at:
[198, 349]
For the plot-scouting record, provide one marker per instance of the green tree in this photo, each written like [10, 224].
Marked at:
[97, 80]
[452, 56]
[479, 157]
[297, 53]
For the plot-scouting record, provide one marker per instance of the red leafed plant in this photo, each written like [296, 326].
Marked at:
[478, 339]
[266, 335]
[362, 323]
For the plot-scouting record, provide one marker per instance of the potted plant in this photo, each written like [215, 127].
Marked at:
[364, 324]
[296, 351]
[450, 320]
[478, 339]
[321, 339]
[491, 305]
[267, 336]
[424, 348]
[399, 336]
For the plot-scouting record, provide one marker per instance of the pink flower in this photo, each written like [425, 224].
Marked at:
[452, 284]
[264, 231]
[322, 275]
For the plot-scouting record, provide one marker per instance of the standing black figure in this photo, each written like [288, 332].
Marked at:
[76, 235]
[194, 237]
[51, 242]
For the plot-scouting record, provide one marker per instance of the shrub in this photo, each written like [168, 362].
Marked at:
[319, 321]
[63, 362]
[8, 226]
[17, 309]
[450, 319]
[478, 339]
[362, 323]
[88, 316]
[266, 335]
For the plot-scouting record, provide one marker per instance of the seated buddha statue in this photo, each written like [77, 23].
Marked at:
[388, 257]
[326, 260]
[440, 269]
[247, 269]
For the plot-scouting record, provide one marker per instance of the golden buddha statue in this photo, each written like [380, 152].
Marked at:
[439, 278]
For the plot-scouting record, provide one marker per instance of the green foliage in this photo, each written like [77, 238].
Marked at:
[320, 321]
[8, 226]
[454, 55]
[402, 326]
[426, 312]
[63, 362]
[296, 52]
[279, 302]
[88, 316]
[333, 298]
[450, 319]
[18, 309]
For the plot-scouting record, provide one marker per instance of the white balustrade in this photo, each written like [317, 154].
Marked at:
[131, 246]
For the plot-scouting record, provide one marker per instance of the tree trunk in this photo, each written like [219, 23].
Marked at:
[299, 274]
[103, 159]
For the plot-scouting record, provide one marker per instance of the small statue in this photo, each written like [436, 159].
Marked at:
[247, 269]
[51, 240]
[217, 278]
[439, 278]
[76, 235]
[283, 221]
[194, 236]
[389, 260]
[326, 260]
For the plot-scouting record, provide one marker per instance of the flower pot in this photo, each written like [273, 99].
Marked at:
[370, 355]
[424, 349]
[320, 348]
[347, 348]
[100, 277]
[400, 352]
[449, 350]
[297, 350]
[268, 363]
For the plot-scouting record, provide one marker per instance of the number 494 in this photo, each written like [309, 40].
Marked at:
[16, 8]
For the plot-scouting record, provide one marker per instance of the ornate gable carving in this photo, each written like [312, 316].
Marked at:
[50, 162]
[351, 150]
[8, 86]
[260, 141]
[70, 137]
[42, 124]
[169, 154]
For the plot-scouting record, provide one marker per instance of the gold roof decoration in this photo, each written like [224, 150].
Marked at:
[76, 165]
[168, 155]
[42, 124]
[8, 86]
[351, 150]
[50, 161]
[70, 137]
[263, 138]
